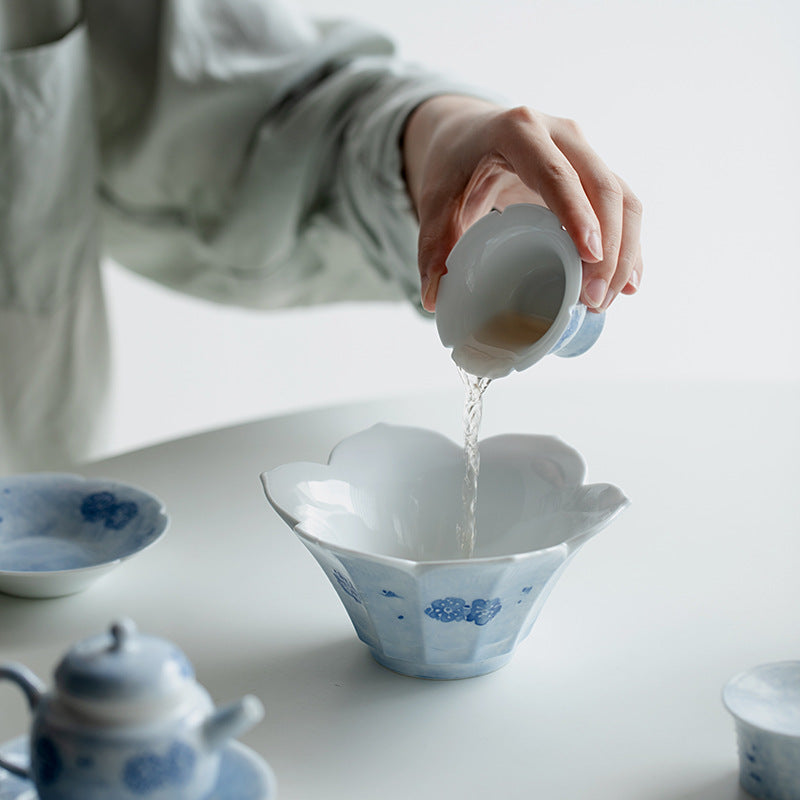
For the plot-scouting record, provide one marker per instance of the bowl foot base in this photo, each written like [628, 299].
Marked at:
[416, 669]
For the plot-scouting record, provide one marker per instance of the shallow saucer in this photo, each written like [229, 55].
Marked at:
[243, 774]
[61, 532]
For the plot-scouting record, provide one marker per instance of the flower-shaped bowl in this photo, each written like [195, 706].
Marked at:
[61, 532]
[381, 518]
[765, 703]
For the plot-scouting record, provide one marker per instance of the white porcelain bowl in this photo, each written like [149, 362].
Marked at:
[381, 519]
[765, 703]
[60, 532]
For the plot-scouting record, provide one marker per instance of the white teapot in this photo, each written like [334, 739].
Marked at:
[125, 720]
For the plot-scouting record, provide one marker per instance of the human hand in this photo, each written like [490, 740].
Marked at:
[464, 156]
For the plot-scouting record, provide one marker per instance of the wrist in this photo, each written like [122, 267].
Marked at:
[429, 121]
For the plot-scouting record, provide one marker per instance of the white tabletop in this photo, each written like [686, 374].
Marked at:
[616, 692]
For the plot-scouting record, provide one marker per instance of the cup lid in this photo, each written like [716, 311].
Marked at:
[767, 697]
[123, 667]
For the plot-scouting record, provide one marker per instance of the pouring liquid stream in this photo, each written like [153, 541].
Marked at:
[509, 330]
[473, 410]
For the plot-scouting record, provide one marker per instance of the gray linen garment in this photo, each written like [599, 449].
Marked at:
[226, 148]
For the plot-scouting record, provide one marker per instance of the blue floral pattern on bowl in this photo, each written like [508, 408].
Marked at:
[456, 609]
[381, 519]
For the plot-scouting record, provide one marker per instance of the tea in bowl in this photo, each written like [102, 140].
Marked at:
[381, 518]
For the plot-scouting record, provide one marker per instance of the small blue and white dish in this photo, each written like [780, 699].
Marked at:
[765, 703]
[61, 532]
[382, 518]
[243, 774]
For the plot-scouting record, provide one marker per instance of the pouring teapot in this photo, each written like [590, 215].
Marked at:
[125, 720]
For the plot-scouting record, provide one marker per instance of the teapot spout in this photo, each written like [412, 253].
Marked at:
[231, 720]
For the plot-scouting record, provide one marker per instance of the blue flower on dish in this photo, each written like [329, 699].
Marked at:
[103, 507]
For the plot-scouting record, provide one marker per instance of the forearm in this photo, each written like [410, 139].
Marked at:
[433, 121]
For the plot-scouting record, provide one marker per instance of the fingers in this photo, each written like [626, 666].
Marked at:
[620, 214]
[480, 156]
[438, 234]
[533, 155]
[632, 286]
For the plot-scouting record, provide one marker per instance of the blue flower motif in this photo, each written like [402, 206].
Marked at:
[103, 507]
[347, 586]
[483, 611]
[456, 609]
[47, 761]
[149, 772]
[448, 609]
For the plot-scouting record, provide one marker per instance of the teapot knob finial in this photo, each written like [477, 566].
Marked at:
[121, 631]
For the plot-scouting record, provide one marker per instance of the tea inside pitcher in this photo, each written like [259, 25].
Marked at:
[512, 330]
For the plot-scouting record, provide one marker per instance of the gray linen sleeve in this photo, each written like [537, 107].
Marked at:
[53, 341]
[234, 150]
[260, 163]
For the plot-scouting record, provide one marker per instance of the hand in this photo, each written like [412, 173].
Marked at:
[465, 156]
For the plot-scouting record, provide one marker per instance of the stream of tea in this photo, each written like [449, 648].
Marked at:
[473, 409]
[513, 332]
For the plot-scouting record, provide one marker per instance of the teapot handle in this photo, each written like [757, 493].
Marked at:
[33, 689]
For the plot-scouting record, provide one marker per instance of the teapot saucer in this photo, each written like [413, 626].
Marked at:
[243, 774]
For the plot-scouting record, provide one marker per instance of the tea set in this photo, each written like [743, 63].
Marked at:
[126, 717]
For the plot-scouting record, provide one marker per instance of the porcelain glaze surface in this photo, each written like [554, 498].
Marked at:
[381, 520]
[765, 702]
[243, 775]
[59, 532]
[126, 720]
[519, 260]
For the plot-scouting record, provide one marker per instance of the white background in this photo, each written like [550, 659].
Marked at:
[696, 103]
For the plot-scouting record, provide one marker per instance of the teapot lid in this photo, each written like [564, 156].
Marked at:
[124, 667]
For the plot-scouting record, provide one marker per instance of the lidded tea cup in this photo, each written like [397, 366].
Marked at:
[126, 719]
[510, 294]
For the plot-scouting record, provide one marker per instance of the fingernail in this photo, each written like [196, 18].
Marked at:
[595, 292]
[425, 290]
[609, 299]
[634, 280]
[595, 245]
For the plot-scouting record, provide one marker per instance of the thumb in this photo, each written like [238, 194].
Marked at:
[438, 235]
